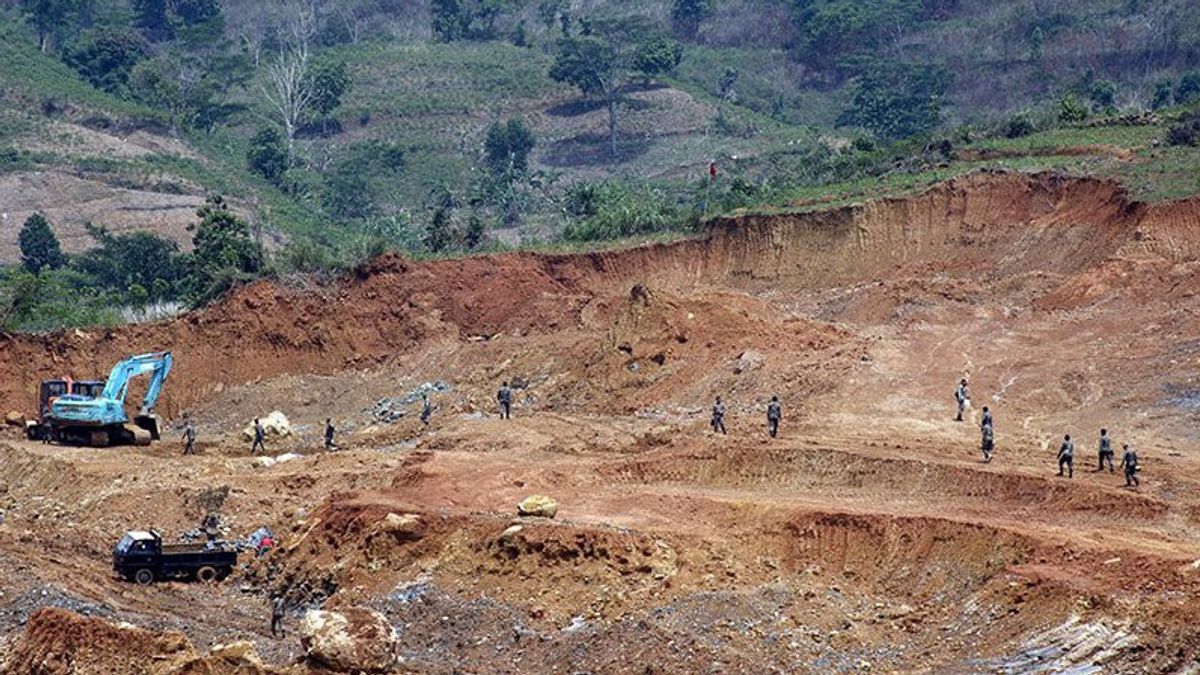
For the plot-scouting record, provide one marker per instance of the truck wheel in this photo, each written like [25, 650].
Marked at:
[206, 574]
[144, 577]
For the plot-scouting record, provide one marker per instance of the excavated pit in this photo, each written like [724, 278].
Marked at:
[869, 536]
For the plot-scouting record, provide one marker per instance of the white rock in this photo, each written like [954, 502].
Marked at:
[351, 640]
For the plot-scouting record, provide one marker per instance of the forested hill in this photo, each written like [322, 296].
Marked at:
[310, 134]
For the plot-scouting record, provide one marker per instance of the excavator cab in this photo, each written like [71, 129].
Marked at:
[88, 388]
[50, 390]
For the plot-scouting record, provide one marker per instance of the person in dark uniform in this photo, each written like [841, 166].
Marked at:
[260, 436]
[189, 438]
[329, 432]
[718, 417]
[989, 442]
[1066, 457]
[504, 396]
[277, 611]
[963, 397]
[774, 414]
[1129, 462]
[1106, 452]
[426, 409]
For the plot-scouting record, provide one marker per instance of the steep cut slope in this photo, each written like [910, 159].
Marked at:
[983, 227]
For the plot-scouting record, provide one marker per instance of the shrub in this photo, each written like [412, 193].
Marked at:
[1071, 110]
[1019, 125]
[1186, 132]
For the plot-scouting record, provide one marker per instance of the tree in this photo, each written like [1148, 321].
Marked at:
[896, 100]
[1071, 110]
[106, 57]
[361, 180]
[475, 232]
[161, 20]
[289, 88]
[153, 82]
[831, 30]
[150, 17]
[439, 236]
[687, 15]
[1162, 95]
[328, 81]
[224, 252]
[549, 11]
[466, 19]
[508, 146]
[39, 247]
[450, 20]
[657, 56]
[47, 17]
[598, 64]
[142, 259]
[1188, 89]
[1103, 94]
[267, 155]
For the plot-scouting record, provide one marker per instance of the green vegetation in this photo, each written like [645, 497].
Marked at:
[39, 247]
[337, 130]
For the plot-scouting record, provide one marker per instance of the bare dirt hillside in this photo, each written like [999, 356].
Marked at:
[868, 536]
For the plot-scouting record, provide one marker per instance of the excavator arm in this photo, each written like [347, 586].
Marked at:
[157, 364]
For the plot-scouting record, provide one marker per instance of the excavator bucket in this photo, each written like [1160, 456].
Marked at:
[136, 435]
[147, 424]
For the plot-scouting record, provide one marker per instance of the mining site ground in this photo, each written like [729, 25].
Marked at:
[870, 536]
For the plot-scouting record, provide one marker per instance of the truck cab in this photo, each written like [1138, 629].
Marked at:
[142, 556]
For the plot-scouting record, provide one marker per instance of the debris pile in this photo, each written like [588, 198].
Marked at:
[390, 410]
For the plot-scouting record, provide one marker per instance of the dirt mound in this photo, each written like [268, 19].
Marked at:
[60, 642]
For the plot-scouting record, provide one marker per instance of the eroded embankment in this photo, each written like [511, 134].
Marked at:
[983, 226]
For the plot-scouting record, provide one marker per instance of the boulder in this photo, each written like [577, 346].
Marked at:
[538, 505]
[14, 419]
[748, 360]
[350, 640]
[407, 526]
[276, 424]
[508, 535]
[241, 653]
[263, 462]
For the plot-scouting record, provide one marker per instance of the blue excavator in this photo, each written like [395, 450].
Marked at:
[93, 413]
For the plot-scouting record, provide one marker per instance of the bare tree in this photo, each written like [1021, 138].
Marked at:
[288, 89]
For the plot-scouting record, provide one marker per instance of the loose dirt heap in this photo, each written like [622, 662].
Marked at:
[868, 536]
[58, 642]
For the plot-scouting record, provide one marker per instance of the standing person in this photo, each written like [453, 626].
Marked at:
[989, 443]
[260, 436]
[277, 609]
[504, 396]
[426, 409]
[1129, 462]
[774, 413]
[189, 438]
[718, 417]
[1066, 457]
[329, 432]
[987, 418]
[1106, 452]
[963, 397]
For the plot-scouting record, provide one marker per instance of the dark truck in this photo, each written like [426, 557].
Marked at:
[144, 558]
